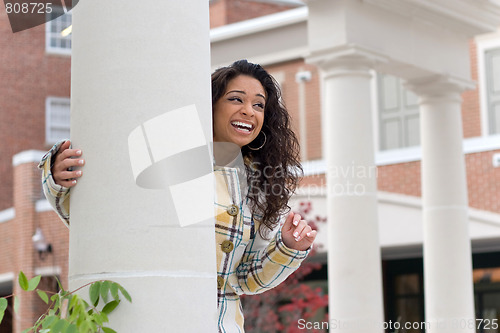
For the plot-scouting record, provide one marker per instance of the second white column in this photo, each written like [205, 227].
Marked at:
[354, 267]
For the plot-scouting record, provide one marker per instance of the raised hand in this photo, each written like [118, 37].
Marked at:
[296, 233]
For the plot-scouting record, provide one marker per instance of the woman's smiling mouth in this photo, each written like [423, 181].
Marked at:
[242, 127]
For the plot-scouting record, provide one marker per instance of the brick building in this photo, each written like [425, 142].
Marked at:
[34, 113]
[35, 84]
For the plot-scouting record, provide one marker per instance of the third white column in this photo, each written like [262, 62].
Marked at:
[449, 299]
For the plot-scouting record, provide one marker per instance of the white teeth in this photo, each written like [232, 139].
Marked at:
[242, 125]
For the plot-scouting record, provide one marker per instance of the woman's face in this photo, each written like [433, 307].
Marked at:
[239, 113]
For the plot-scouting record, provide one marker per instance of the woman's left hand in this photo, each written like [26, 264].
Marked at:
[296, 233]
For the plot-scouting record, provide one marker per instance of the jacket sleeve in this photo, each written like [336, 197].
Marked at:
[57, 195]
[265, 264]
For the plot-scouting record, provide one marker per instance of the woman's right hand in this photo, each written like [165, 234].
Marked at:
[64, 164]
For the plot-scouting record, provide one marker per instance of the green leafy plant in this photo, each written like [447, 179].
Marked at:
[68, 312]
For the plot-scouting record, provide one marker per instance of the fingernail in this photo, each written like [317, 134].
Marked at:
[308, 234]
[78, 152]
[297, 239]
[81, 162]
[74, 181]
[296, 223]
[295, 234]
[78, 173]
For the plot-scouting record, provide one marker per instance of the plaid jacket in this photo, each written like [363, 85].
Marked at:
[246, 263]
[57, 195]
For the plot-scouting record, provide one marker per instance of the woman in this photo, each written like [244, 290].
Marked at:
[254, 251]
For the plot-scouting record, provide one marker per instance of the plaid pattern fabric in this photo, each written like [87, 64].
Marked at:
[251, 265]
[255, 264]
[57, 195]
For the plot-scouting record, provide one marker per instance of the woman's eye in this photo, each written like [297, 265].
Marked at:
[235, 99]
[260, 106]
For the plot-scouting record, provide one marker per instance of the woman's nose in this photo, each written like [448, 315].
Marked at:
[248, 110]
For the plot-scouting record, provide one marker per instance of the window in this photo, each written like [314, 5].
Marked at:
[404, 292]
[399, 125]
[492, 76]
[488, 68]
[486, 277]
[58, 31]
[57, 119]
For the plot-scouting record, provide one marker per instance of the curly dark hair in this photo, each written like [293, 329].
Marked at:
[273, 172]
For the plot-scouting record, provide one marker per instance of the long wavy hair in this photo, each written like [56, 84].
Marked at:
[273, 171]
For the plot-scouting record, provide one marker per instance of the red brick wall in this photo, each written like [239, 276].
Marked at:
[314, 181]
[471, 115]
[23, 226]
[57, 234]
[285, 73]
[18, 252]
[313, 115]
[403, 178]
[290, 90]
[483, 181]
[230, 11]
[218, 13]
[239, 10]
[27, 77]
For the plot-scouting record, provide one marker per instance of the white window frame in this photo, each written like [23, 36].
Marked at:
[414, 154]
[376, 115]
[55, 50]
[483, 44]
[48, 104]
[391, 156]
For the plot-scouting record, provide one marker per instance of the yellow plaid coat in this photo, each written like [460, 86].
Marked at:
[246, 262]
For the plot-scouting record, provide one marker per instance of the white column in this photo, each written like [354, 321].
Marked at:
[354, 263]
[449, 298]
[131, 62]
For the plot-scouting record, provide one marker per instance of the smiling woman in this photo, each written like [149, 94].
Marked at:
[255, 252]
[239, 113]
[257, 101]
